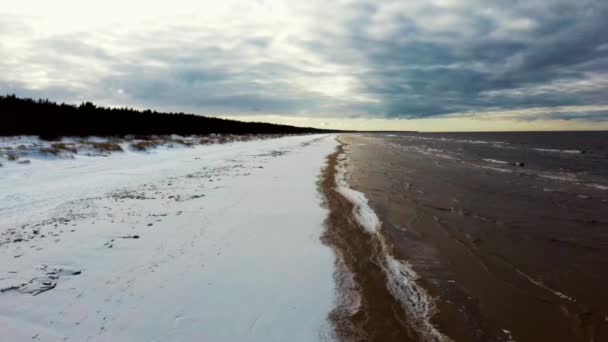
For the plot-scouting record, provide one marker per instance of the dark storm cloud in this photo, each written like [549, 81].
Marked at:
[599, 116]
[418, 71]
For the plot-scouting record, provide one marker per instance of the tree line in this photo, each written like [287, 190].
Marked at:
[47, 119]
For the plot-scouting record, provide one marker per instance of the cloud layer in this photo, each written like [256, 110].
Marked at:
[338, 59]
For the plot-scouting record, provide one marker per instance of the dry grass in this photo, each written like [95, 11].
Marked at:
[64, 147]
[223, 139]
[144, 145]
[136, 143]
[57, 148]
[183, 142]
[106, 147]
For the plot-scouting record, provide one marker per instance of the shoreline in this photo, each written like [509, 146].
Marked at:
[495, 250]
[379, 297]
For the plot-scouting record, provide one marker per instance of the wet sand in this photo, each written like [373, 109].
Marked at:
[505, 255]
[366, 311]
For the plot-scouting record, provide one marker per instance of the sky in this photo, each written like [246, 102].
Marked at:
[433, 65]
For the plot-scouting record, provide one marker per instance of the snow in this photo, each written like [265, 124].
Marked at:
[210, 243]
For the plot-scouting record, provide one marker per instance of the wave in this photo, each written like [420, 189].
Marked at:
[566, 177]
[598, 186]
[495, 161]
[433, 152]
[542, 285]
[364, 215]
[558, 151]
[464, 141]
[497, 144]
[401, 278]
[570, 178]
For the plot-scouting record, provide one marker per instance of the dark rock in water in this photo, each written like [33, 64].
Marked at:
[24, 161]
[520, 164]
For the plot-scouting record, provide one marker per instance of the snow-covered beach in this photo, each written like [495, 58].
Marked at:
[208, 243]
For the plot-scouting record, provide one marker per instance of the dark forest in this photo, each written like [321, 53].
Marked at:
[47, 119]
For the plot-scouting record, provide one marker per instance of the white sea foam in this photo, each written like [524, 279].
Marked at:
[495, 161]
[348, 299]
[364, 215]
[542, 285]
[509, 335]
[571, 178]
[567, 177]
[464, 141]
[413, 298]
[558, 151]
[423, 150]
[598, 186]
[401, 278]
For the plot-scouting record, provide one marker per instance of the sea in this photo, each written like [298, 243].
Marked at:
[472, 236]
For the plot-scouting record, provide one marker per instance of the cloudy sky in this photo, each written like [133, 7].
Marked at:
[426, 65]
